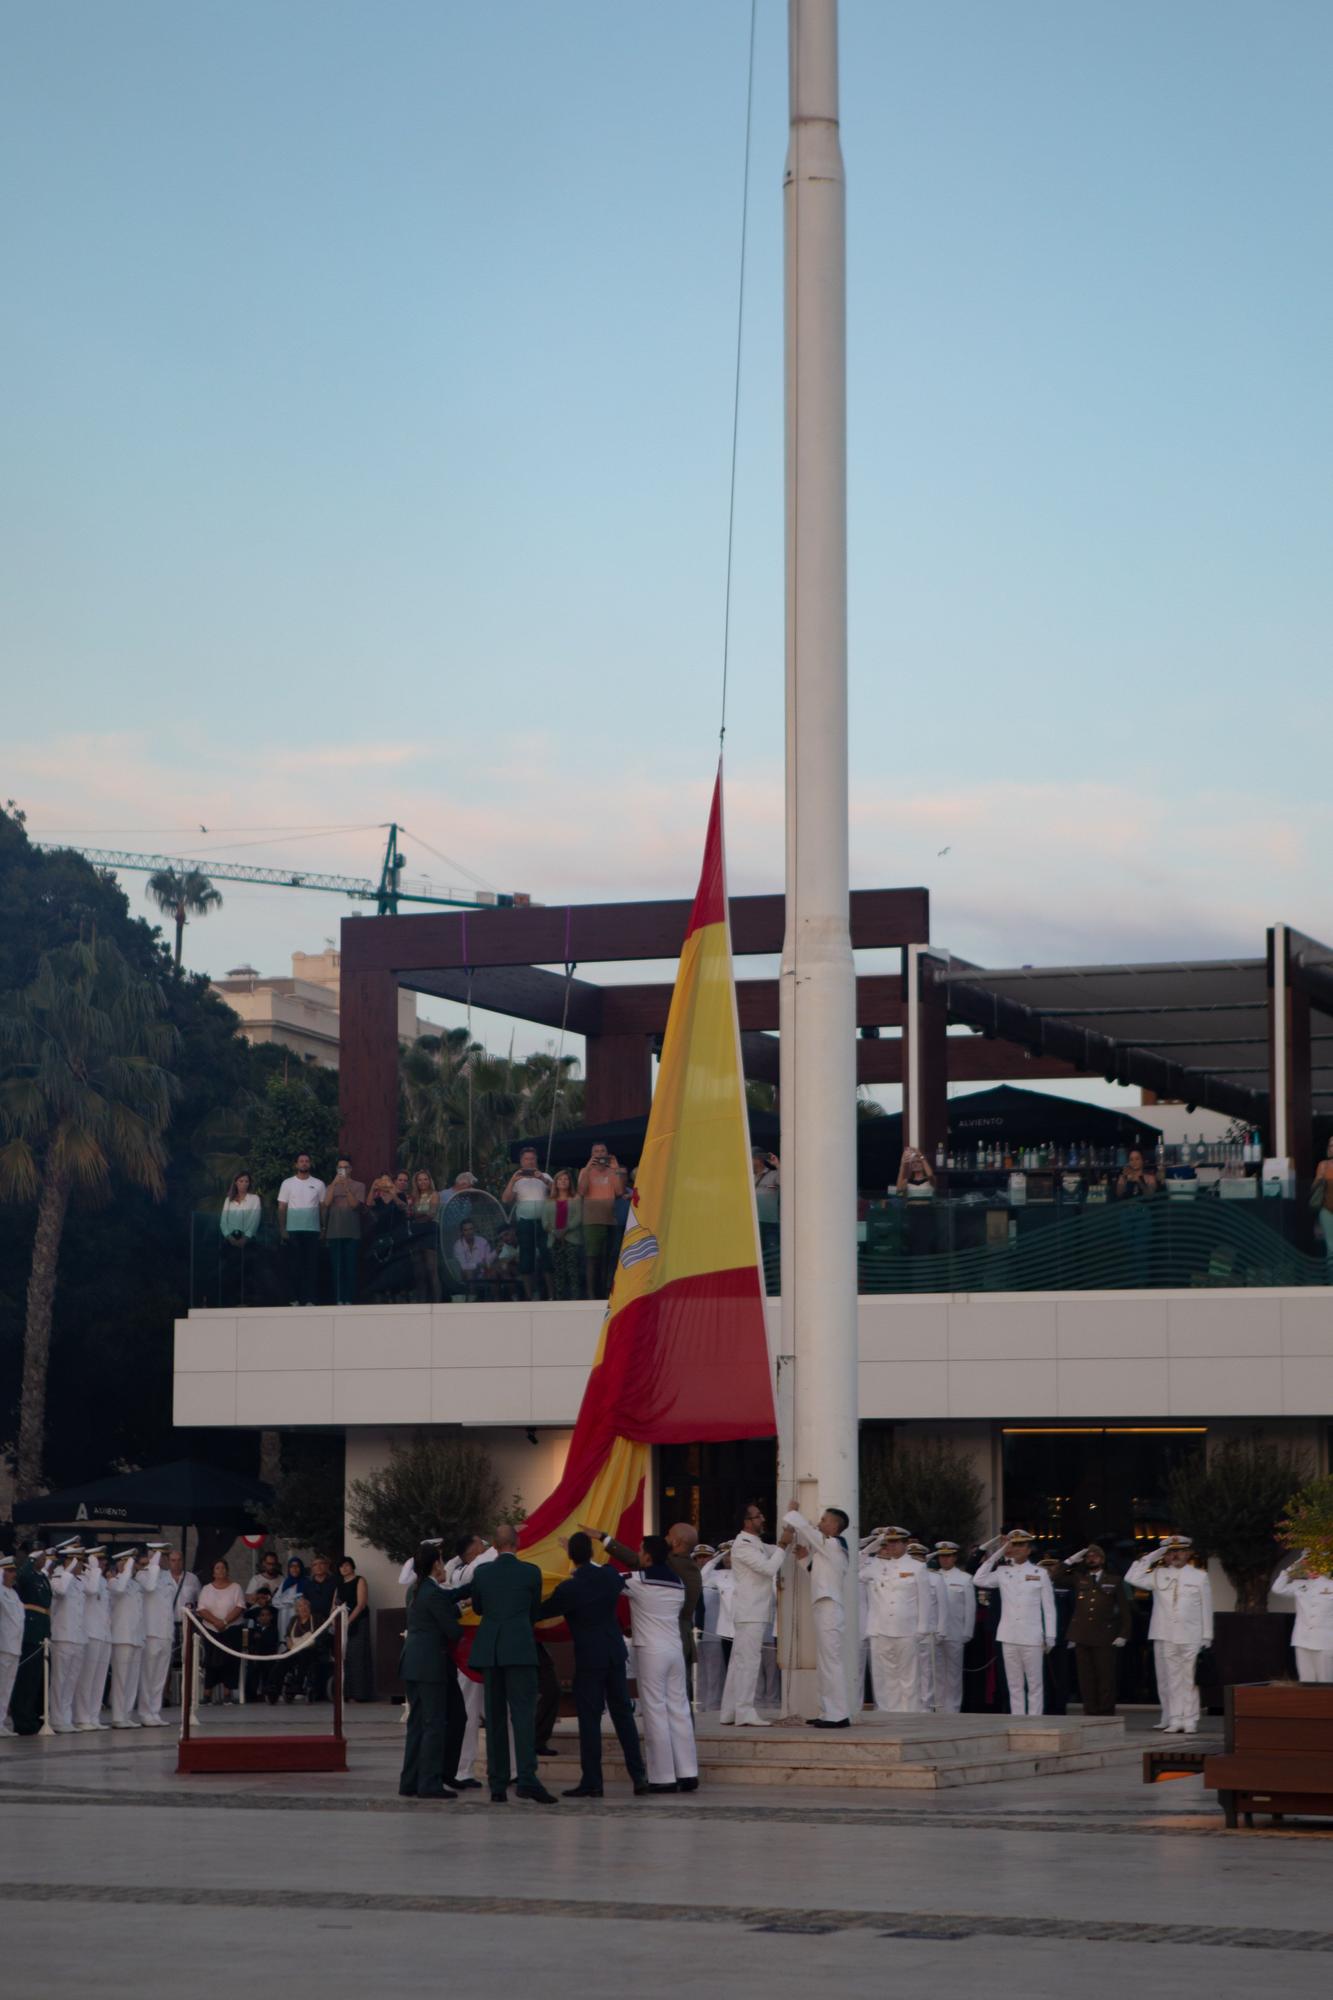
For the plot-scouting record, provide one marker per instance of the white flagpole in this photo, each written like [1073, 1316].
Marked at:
[818, 1348]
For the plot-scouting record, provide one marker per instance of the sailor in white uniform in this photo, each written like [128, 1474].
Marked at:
[96, 1645]
[1027, 1617]
[925, 1645]
[11, 1639]
[127, 1637]
[67, 1636]
[1180, 1627]
[826, 1558]
[956, 1620]
[656, 1596]
[754, 1568]
[159, 1622]
[1312, 1640]
[900, 1608]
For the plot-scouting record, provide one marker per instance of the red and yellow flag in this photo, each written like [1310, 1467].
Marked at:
[683, 1356]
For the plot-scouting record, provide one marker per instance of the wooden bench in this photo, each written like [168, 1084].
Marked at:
[1278, 1754]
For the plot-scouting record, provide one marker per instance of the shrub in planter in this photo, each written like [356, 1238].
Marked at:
[1309, 1526]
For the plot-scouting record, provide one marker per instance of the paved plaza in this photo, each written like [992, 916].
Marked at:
[122, 1878]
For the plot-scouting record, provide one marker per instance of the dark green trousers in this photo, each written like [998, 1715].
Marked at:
[25, 1703]
[511, 1697]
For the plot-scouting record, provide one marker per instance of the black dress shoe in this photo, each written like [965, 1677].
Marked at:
[687, 1784]
[547, 1750]
[537, 1793]
[583, 1792]
[499, 1798]
[818, 1722]
[444, 1794]
[664, 1788]
[467, 1784]
[641, 1788]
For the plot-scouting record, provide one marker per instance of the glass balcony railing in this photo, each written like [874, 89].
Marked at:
[974, 1244]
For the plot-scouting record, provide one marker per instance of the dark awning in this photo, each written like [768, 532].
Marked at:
[184, 1493]
[1009, 1116]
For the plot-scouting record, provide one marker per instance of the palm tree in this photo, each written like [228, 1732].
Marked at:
[181, 894]
[84, 1090]
[463, 1107]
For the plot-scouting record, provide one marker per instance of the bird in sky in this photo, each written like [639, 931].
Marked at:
[943, 851]
[202, 827]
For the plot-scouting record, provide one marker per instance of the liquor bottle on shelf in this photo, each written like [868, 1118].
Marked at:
[939, 1156]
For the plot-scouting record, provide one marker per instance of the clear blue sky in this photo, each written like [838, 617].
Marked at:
[369, 378]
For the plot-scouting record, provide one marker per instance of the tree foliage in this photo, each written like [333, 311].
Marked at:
[430, 1486]
[1231, 1503]
[463, 1108]
[298, 1113]
[307, 1508]
[182, 893]
[1309, 1526]
[919, 1484]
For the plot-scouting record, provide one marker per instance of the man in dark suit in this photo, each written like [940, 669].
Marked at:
[588, 1602]
[508, 1595]
[436, 1716]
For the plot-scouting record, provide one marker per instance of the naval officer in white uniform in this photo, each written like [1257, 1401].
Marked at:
[754, 1568]
[96, 1645]
[826, 1558]
[159, 1628]
[900, 1606]
[1027, 1617]
[127, 1637]
[1180, 1627]
[1312, 1640]
[956, 1621]
[68, 1598]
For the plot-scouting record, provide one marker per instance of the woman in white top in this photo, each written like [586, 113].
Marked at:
[240, 1211]
[238, 1226]
[220, 1609]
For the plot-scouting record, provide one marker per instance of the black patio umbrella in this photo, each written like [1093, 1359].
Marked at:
[1006, 1114]
[185, 1493]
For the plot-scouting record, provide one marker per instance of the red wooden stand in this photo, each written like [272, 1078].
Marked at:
[227, 1753]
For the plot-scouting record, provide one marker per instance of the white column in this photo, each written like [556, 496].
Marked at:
[818, 1077]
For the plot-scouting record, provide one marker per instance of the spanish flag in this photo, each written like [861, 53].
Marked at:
[683, 1356]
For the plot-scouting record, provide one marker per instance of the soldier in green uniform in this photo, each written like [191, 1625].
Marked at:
[34, 1593]
[1100, 1625]
[508, 1595]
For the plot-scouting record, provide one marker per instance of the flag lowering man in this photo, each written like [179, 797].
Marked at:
[824, 1552]
[754, 1567]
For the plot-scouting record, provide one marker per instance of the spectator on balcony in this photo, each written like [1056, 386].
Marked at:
[916, 1176]
[1323, 1179]
[767, 1184]
[475, 1260]
[563, 1221]
[344, 1200]
[239, 1225]
[1136, 1180]
[506, 1272]
[388, 1237]
[529, 1189]
[423, 1223]
[299, 1210]
[601, 1184]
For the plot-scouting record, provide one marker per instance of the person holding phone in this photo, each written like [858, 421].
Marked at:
[344, 1199]
[601, 1184]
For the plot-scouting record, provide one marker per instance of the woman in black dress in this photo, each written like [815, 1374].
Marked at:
[358, 1669]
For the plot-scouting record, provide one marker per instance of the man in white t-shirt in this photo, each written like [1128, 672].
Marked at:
[529, 1189]
[300, 1200]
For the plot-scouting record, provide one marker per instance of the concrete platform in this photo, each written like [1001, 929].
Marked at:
[901, 1753]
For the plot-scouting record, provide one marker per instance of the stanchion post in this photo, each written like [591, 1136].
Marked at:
[245, 1654]
[197, 1654]
[339, 1630]
[187, 1678]
[46, 1729]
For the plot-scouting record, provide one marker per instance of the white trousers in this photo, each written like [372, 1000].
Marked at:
[1310, 1665]
[153, 1678]
[830, 1623]
[1176, 1691]
[125, 1661]
[9, 1666]
[1022, 1670]
[664, 1705]
[711, 1672]
[66, 1666]
[474, 1701]
[92, 1682]
[894, 1674]
[925, 1671]
[949, 1676]
[738, 1690]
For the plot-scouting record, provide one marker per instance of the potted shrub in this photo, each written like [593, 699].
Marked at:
[1233, 1505]
[1309, 1526]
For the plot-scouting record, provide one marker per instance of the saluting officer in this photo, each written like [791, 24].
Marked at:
[1027, 1618]
[11, 1636]
[1180, 1627]
[1101, 1624]
[1312, 1640]
[67, 1636]
[956, 1617]
[900, 1607]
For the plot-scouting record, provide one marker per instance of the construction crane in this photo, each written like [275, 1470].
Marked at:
[386, 894]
